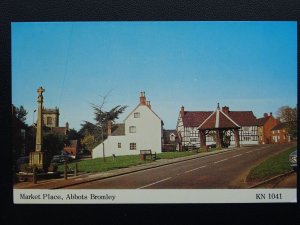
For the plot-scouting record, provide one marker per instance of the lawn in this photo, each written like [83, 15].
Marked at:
[98, 165]
[276, 165]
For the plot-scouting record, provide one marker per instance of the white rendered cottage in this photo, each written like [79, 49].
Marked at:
[141, 130]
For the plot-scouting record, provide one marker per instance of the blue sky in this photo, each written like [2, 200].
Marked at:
[244, 65]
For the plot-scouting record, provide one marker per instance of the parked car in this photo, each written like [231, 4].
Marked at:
[293, 160]
[21, 161]
[85, 154]
[59, 159]
[68, 155]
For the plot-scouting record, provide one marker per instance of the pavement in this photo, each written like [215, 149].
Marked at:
[88, 177]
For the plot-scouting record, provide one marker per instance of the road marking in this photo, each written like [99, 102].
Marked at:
[237, 155]
[248, 152]
[195, 169]
[155, 183]
[220, 161]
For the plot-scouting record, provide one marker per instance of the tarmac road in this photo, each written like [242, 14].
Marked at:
[225, 170]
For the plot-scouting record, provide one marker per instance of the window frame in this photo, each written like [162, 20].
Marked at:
[132, 146]
[137, 115]
[132, 129]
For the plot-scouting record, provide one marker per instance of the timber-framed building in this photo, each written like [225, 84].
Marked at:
[222, 126]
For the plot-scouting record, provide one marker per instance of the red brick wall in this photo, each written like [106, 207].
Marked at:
[281, 136]
[269, 124]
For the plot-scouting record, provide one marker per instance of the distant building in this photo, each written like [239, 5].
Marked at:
[265, 125]
[170, 141]
[189, 123]
[51, 117]
[51, 122]
[141, 130]
[279, 134]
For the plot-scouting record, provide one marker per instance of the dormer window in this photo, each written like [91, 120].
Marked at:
[172, 137]
[136, 115]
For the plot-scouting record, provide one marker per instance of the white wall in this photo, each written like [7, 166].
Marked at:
[148, 135]
[148, 130]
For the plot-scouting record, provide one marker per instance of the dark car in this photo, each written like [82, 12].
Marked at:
[68, 156]
[85, 154]
[57, 159]
[21, 161]
[293, 160]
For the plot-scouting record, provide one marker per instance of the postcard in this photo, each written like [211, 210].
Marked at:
[154, 112]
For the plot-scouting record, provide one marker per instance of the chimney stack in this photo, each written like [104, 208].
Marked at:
[109, 127]
[271, 114]
[148, 104]
[182, 110]
[265, 115]
[67, 126]
[225, 109]
[143, 98]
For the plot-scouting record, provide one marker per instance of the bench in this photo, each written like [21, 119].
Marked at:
[144, 153]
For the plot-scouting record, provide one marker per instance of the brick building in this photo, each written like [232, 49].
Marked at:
[265, 125]
[279, 134]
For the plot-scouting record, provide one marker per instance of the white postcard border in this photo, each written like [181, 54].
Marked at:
[153, 196]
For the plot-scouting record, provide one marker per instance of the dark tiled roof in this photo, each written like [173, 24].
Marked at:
[196, 118]
[262, 121]
[243, 118]
[59, 130]
[280, 126]
[224, 121]
[168, 132]
[118, 129]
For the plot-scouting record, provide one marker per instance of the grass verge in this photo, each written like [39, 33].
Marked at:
[275, 165]
[98, 165]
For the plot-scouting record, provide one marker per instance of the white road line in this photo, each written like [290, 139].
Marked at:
[154, 183]
[237, 155]
[248, 152]
[220, 161]
[195, 169]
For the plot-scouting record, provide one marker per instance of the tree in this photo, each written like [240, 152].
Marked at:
[21, 113]
[288, 115]
[88, 142]
[73, 135]
[99, 129]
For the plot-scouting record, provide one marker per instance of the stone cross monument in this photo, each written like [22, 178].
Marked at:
[36, 157]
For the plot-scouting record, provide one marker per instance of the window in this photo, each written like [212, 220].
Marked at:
[49, 120]
[132, 146]
[172, 137]
[132, 129]
[246, 138]
[246, 129]
[193, 139]
[137, 115]
[119, 145]
[23, 134]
